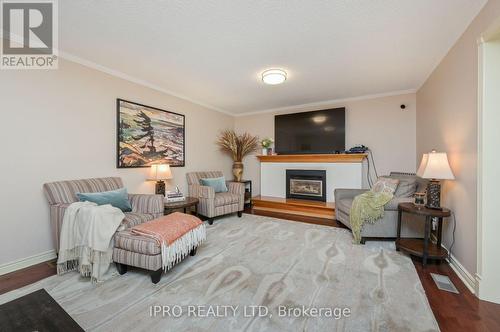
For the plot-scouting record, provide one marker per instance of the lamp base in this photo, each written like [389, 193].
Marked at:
[434, 195]
[160, 188]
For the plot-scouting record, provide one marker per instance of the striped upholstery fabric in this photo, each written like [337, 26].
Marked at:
[56, 219]
[136, 243]
[228, 198]
[194, 177]
[215, 204]
[135, 218]
[148, 262]
[65, 191]
[199, 191]
[239, 190]
[62, 193]
[226, 209]
[151, 204]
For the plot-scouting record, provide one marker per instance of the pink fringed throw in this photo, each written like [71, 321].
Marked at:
[177, 234]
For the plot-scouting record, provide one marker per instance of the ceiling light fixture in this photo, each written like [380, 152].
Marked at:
[274, 76]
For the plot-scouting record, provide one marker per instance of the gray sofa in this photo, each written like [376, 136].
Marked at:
[387, 226]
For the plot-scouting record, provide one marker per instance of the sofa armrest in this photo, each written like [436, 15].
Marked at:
[199, 191]
[238, 188]
[147, 203]
[347, 193]
[393, 203]
[56, 219]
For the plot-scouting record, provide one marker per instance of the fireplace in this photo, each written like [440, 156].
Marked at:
[306, 184]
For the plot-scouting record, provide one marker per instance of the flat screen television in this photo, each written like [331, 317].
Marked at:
[310, 132]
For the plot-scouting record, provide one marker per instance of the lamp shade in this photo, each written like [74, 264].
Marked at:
[160, 172]
[435, 165]
[423, 163]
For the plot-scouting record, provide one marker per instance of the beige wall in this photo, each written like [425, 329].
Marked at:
[60, 124]
[378, 123]
[447, 121]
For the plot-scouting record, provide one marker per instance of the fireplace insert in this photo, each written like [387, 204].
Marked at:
[306, 184]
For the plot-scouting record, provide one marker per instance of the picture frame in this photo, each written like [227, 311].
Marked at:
[147, 135]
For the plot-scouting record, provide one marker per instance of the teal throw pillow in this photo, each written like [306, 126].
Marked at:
[117, 198]
[219, 184]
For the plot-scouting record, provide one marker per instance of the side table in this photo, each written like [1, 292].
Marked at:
[185, 204]
[248, 192]
[422, 247]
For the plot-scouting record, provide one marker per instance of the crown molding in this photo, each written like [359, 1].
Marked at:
[327, 103]
[116, 73]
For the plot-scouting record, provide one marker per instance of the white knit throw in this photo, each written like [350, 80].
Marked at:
[86, 241]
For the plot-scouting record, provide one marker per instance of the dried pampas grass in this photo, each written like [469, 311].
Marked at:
[238, 146]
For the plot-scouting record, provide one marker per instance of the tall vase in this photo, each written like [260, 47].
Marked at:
[237, 170]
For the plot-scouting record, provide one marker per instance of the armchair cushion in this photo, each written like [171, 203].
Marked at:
[226, 198]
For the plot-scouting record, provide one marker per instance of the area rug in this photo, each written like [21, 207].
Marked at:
[257, 274]
[36, 311]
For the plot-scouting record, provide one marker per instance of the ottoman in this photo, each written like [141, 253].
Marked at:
[142, 251]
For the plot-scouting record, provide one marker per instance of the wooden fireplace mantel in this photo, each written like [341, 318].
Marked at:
[313, 158]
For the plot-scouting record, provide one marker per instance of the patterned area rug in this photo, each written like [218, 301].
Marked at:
[257, 274]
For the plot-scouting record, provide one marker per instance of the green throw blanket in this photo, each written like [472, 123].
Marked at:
[367, 207]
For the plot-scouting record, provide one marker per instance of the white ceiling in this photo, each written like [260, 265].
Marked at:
[213, 51]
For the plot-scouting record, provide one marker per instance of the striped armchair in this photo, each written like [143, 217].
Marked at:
[213, 204]
[62, 193]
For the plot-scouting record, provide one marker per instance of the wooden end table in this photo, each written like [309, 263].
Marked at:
[185, 204]
[422, 247]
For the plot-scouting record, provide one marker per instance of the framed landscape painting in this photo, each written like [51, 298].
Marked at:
[148, 135]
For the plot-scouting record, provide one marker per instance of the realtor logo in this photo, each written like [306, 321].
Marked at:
[29, 34]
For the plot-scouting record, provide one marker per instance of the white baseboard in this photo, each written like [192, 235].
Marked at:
[467, 278]
[27, 262]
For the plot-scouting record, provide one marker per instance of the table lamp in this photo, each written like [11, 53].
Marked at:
[160, 173]
[435, 166]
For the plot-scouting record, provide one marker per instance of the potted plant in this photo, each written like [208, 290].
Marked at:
[266, 145]
[238, 146]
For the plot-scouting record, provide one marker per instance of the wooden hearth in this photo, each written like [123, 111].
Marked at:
[324, 210]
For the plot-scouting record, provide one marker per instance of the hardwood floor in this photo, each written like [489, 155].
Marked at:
[26, 276]
[457, 312]
[454, 312]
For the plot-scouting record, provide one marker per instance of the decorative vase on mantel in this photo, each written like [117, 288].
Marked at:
[237, 171]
